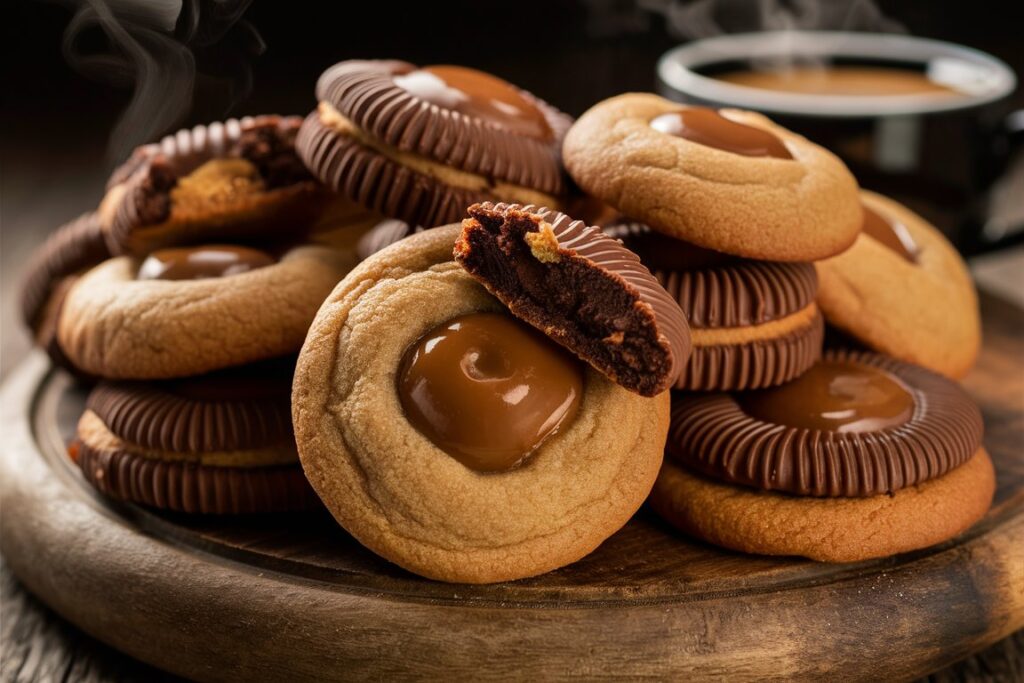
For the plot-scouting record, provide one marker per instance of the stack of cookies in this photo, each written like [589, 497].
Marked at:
[185, 297]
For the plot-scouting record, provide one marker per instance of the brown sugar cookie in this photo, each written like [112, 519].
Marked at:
[753, 324]
[732, 180]
[860, 457]
[580, 287]
[902, 289]
[455, 440]
[52, 269]
[216, 444]
[420, 144]
[191, 310]
[240, 179]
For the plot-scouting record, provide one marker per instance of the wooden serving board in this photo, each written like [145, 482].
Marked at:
[294, 597]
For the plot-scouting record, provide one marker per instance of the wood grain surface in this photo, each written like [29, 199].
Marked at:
[295, 597]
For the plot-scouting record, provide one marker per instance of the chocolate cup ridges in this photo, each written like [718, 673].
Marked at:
[138, 212]
[582, 288]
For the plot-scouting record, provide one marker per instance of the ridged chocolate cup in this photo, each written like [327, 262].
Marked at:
[712, 434]
[142, 220]
[196, 489]
[589, 293]
[376, 182]
[365, 92]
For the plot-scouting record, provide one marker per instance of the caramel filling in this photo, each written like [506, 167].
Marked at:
[477, 95]
[890, 232]
[217, 182]
[836, 396]
[708, 127]
[448, 175]
[488, 390]
[195, 263]
[721, 336]
[95, 434]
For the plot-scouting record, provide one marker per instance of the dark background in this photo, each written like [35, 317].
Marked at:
[65, 92]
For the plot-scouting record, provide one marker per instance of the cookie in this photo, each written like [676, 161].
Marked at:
[52, 269]
[731, 181]
[861, 457]
[191, 310]
[582, 288]
[902, 289]
[753, 324]
[532, 475]
[240, 179]
[216, 444]
[422, 144]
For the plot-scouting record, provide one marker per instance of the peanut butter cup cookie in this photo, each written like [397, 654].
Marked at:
[190, 310]
[903, 289]
[420, 144]
[216, 444]
[53, 268]
[727, 180]
[753, 324]
[862, 456]
[455, 440]
[240, 179]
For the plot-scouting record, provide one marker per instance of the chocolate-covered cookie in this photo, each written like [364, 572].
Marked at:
[237, 180]
[582, 288]
[215, 444]
[420, 144]
[189, 310]
[753, 324]
[862, 456]
[53, 268]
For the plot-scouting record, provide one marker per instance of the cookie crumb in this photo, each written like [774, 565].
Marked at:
[544, 244]
[615, 337]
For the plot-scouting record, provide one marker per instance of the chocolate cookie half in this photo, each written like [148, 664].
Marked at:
[753, 324]
[240, 179]
[422, 144]
[216, 444]
[863, 456]
[53, 268]
[580, 287]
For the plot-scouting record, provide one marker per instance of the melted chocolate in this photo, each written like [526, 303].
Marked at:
[195, 263]
[835, 396]
[890, 232]
[478, 95]
[488, 390]
[708, 127]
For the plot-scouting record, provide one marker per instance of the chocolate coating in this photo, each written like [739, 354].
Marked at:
[582, 288]
[195, 263]
[834, 395]
[890, 232]
[715, 434]
[488, 390]
[383, 235]
[708, 127]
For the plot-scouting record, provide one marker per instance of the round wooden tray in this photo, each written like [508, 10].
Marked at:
[294, 597]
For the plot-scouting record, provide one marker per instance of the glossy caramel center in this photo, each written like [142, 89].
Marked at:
[837, 396]
[890, 232]
[478, 95]
[708, 127]
[195, 263]
[488, 390]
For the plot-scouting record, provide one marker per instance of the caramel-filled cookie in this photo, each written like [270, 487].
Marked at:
[215, 444]
[580, 287]
[237, 180]
[191, 310]
[753, 324]
[73, 248]
[903, 289]
[860, 457]
[420, 144]
[455, 440]
[730, 180]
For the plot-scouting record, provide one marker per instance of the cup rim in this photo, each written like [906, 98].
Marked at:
[677, 74]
